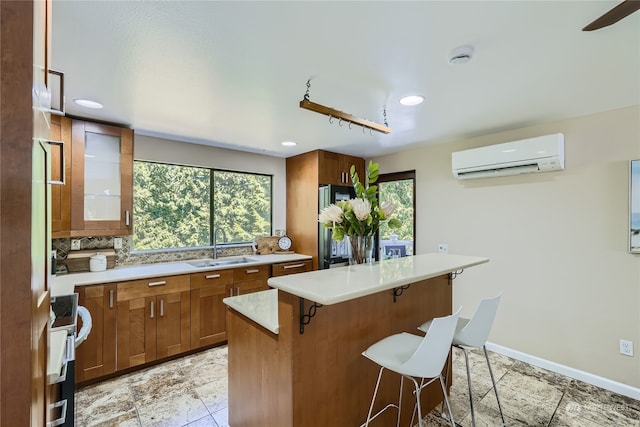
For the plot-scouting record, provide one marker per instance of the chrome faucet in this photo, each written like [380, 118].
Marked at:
[215, 240]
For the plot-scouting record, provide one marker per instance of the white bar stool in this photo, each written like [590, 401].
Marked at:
[413, 357]
[473, 333]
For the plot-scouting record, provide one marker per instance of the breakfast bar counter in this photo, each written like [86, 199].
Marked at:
[295, 351]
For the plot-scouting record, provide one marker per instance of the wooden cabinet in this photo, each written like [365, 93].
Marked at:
[61, 193]
[97, 355]
[154, 319]
[285, 268]
[305, 173]
[250, 279]
[335, 168]
[208, 324]
[101, 180]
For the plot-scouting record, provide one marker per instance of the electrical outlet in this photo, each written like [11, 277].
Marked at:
[117, 243]
[75, 244]
[443, 248]
[626, 347]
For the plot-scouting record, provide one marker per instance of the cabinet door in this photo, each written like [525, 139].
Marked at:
[173, 322]
[136, 331]
[97, 355]
[347, 162]
[102, 180]
[330, 169]
[208, 313]
[61, 194]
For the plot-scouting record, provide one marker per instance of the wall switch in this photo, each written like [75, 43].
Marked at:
[443, 248]
[626, 347]
[75, 244]
[117, 243]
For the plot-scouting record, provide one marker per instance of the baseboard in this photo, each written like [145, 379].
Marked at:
[598, 381]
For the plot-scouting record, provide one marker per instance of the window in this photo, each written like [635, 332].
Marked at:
[399, 189]
[179, 206]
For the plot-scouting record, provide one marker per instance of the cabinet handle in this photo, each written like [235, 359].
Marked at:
[160, 283]
[211, 276]
[286, 267]
[230, 292]
[63, 413]
[62, 164]
[254, 270]
[111, 298]
[161, 308]
[127, 218]
[151, 312]
[60, 111]
[238, 290]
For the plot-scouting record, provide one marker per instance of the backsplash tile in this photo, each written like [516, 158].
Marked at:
[125, 256]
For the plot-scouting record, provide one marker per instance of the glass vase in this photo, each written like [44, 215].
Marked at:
[361, 249]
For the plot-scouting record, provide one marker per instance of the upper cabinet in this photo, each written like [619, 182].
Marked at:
[101, 180]
[335, 168]
[61, 173]
[305, 173]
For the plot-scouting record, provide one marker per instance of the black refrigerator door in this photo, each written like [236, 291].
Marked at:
[332, 253]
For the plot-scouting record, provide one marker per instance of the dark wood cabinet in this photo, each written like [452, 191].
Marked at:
[293, 267]
[96, 356]
[154, 319]
[305, 173]
[101, 180]
[61, 193]
[208, 289]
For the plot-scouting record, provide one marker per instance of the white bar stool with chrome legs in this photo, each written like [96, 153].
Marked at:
[414, 357]
[473, 333]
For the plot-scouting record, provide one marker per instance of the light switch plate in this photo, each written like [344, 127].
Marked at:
[75, 244]
[117, 243]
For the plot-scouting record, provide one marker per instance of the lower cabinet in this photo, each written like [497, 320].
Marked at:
[97, 355]
[139, 321]
[154, 319]
[208, 316]
[250, 279]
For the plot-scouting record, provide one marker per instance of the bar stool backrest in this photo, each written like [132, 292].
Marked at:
[428, 359]
[476, 331]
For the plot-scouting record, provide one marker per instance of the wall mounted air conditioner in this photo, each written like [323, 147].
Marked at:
[540, 154]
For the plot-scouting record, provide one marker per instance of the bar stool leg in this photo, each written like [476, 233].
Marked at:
[466, 359]
[493, 381]
[373, 399]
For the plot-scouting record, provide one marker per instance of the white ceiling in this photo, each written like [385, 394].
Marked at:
[231, 74]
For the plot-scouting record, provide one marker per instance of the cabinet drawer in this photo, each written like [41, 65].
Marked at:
[211, 278]
[253, 272]
[152, 286]
[291, 268]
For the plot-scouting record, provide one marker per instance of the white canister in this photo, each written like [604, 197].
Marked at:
[98, 262]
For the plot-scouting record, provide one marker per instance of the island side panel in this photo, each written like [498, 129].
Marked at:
[332, 382]
[259, 373]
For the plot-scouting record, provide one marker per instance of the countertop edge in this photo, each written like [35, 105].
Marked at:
[269, 297]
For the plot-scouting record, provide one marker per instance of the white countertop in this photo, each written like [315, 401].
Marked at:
[261, 307]
[64, 284]
[341, 284]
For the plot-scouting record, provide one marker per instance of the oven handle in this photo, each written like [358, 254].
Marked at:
[86, 325]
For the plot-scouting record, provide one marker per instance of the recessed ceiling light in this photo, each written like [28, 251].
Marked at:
[412, 100]
[289, 143]
[88, 104]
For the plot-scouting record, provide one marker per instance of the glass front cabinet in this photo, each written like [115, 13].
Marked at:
[102, 179]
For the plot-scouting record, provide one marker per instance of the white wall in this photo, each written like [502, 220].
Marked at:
[557, 242]
[176, 152]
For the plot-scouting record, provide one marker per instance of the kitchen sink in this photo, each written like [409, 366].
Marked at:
[220, 262]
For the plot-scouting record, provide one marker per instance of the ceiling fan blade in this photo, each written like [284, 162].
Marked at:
[622, 10]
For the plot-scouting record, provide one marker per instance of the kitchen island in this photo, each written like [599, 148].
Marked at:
[295, 351]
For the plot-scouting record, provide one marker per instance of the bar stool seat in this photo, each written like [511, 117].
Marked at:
[414, 357]
[473, 333]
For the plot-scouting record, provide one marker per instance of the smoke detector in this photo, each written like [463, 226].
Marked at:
[461, 55]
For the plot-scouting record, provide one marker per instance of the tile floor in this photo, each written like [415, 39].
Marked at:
[192, 391]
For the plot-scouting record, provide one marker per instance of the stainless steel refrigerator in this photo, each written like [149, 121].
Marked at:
[332, 253]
